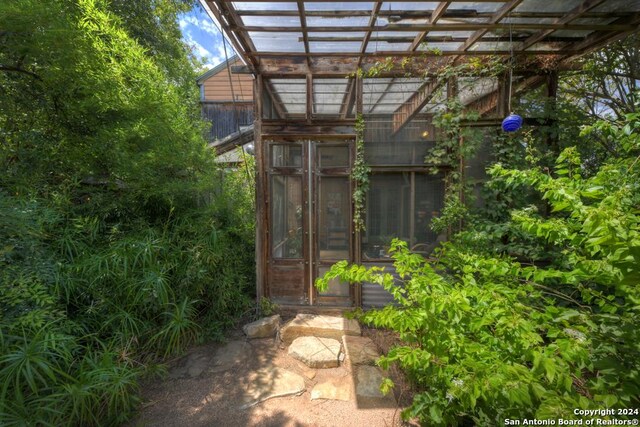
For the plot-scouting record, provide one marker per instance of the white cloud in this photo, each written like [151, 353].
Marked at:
[204, 38]
[204, 24]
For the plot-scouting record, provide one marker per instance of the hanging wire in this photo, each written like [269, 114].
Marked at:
[233, 100]
[235, 108]
[511, 60]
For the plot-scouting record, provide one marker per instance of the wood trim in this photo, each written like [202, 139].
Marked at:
[414, 104]
[261, 215]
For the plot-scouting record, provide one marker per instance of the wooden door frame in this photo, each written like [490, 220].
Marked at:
[315, 174]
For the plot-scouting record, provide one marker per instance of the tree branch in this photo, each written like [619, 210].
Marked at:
[7, 68]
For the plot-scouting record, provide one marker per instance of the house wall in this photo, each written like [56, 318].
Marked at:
[217, 87]
[223, 116]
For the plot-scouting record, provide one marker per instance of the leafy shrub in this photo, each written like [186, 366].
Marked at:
[119, 241]
[487, 338]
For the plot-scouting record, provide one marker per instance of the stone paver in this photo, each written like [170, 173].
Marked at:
[334, 389]
[190, 367]
[233, 353]
[360, 350]
[271, 382]
[316, 352]
[368, 381]
[318, 326]
[266, 327]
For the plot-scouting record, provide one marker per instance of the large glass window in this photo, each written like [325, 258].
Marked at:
[286, 216]
[334, 218]
[402, 205]
[286, 156]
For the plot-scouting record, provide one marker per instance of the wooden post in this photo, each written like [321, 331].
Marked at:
[261, 214]
[552, 92]
[502, 104]
[309, 102]
[357, 235]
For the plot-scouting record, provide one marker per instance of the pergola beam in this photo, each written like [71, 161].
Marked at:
[501, 13]
[575, 13]
[439, 27]
[414, 14]
[382, 55]
[415, 103]
[437, 14]
[347, 101]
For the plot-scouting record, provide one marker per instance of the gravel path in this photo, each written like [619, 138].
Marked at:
[209, 387]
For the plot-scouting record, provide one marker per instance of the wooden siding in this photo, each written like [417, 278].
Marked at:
[217, 87]
[223, 116]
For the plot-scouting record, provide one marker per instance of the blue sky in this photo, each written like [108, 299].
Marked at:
[199, 32]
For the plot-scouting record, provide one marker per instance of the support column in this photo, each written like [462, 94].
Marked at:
[552, 93]
[261, 208]
[357, 241]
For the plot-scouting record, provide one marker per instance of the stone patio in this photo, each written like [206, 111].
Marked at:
[319, 361]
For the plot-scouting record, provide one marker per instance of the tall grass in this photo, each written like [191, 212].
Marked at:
[90, 306]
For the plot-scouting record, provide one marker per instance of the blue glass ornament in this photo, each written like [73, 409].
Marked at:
[512, 123]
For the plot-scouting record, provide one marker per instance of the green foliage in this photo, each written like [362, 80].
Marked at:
[485, 337]
[360, 175]
[121, 241]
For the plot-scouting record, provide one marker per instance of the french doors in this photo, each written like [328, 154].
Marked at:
[310, 223]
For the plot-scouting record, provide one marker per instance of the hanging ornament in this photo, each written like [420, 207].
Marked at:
[512, 123]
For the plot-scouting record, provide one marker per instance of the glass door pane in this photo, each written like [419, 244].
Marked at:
[286, 216]
[334, 214]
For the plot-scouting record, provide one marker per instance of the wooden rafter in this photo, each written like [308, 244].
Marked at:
[401, 118]
[275, 98]
[575, 13]
[527, 32]
[348, 98]
[415, 103]
[438, 39]
[468, 26]
[497, 17]
[437, 14]
[487, 103]
[415, 14]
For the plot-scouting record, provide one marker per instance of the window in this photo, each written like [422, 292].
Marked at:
[286, 216]
[402, 205]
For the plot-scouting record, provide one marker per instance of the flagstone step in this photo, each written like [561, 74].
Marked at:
[360, 350]
[318, 326]
[316, 352]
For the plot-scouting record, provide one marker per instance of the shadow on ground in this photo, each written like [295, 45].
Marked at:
[225, 384]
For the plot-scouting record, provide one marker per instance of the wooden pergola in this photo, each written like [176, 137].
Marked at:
[308, 58]
[330, 40]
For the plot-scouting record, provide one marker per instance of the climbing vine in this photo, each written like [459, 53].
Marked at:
[360, 175]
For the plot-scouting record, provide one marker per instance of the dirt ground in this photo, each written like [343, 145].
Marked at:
[199, 392]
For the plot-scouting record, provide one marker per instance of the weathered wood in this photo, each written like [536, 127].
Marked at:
[575, 13]
[261, 219]
[415, 103]
[502, 101]
[382, 55]
[451, 12]
[217, 87]
[495, 18]
[275, 98]
[439, 39]
[225, 118]
[359, 94]
[440, 27]
[309, 99]
[437, 14]
[241, 48]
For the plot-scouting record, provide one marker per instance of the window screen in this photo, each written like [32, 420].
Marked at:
[283, 156]
[286, 216]
[333, 156]
[402, 205]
